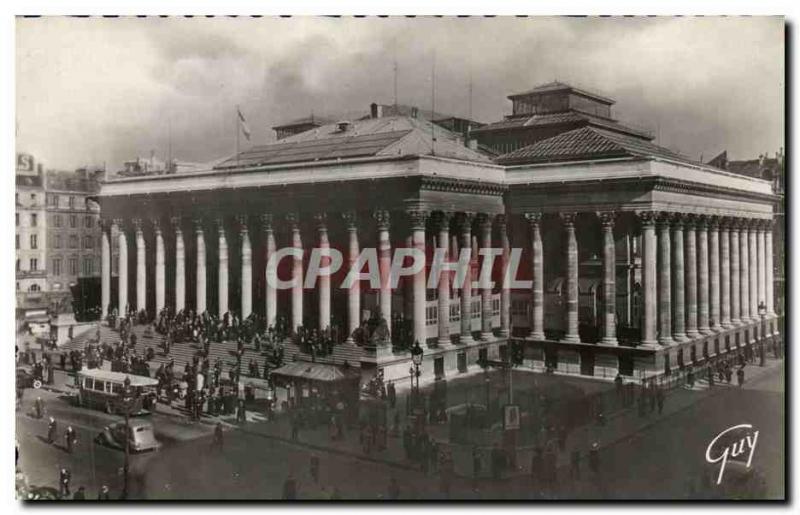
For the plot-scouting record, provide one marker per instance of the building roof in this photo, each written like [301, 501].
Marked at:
[561, 86]
[308, 120]
[588, 143]
[393, 136]
[565, 117]
[321, 372]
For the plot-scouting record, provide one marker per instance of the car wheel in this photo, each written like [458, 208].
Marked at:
[37, 384]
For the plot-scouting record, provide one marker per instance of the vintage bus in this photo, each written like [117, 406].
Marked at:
[102, 389]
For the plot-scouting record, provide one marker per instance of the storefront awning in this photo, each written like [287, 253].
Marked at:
[320, 372]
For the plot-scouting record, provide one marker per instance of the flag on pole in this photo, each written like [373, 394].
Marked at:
[243, 124]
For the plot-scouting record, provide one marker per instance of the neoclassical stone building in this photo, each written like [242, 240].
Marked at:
[639, 260]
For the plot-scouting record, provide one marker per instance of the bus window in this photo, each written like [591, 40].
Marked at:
[116, 388]
[100, 386]
[88, 383]
[109, 385]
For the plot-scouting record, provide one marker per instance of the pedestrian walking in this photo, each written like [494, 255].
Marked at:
[476, 462]
[660, 400]
[64, 477]
[393, 492]
[38, 407]
[740, 376]
[70, 439]
[52, 428]
[80, 495]
[103, 495]
[218, 436]
[594, 458]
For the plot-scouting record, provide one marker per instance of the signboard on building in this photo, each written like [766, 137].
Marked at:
[25, 163]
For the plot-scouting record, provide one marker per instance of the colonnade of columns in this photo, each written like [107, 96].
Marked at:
[417, 221]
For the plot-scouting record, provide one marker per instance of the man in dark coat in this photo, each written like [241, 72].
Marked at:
[290, 488]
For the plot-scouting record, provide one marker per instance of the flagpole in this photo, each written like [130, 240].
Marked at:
[237, 135]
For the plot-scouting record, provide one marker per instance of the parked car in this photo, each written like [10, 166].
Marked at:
[26, 379]
[141, 437]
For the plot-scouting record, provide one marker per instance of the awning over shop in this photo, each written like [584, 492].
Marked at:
[319, 372]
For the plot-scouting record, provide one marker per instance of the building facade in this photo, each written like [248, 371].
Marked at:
[31, 235]
[633, 258]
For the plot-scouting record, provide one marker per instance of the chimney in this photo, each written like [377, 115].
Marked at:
[414, 112]
[376, 110]
[343, 126]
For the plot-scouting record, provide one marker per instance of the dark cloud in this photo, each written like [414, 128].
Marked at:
[93, 90]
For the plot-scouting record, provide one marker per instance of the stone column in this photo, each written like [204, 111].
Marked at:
[270, 272]
[744, 264]
[725, 273]
[664, 281]
[678, 280]
[752, 264]
[443, 222]
[537, 262]
[485, 227]
[609, 279]
[648, 221]
[690, 265]
[736, 275]
[384, 264]
[161, 285]
[568, 220]
[180, 265]
[324, 296]
[123, 268]
[354, 293]
[703, 311]
[222, 273]
[246, 280]
[200, 290]
[141, 270]
[105, 267]
[714, 274]
[762, 269]
[465, 229]
[768, 265]
[417, 218]
[505, 291]
[293, 219]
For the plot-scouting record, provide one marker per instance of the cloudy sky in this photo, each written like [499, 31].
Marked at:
[106, 90]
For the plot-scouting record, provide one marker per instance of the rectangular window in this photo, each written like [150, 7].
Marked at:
[57, 241]
[57, 266]
[16, 218]
[87, 266]
[18, 265]
[88, 242]
[57, 220]
[34, 241]
[34, 264]
[73, 241]
[17, 241]
[89, 222]
[73, 221]
[72, 202]
[73, 266]
[34, 219]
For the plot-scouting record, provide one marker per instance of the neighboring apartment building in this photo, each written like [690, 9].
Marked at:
[31, 236]
[73, 236]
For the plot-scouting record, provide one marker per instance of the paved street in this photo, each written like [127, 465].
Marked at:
[650, 457]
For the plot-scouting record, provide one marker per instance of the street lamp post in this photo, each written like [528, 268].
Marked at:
[762, 312]
[126, 398]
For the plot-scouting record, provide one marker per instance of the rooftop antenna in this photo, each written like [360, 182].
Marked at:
[469, 114]
[169, 144]
[433, 104]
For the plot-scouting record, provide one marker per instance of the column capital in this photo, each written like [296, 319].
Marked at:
[120, 223]
[220, 223]
[483, 220]
[293, 219]
[534, 218]
[382, 218]
[765, 225]
[646, 218]
[241, 223]
[350, 219]
[501, 220]
[138, 223]
[176, 222]
[106, 224]
[417, 217]
[568, 218]
[321, 220]
[702, 222]
[442, 219]
[714, 222]
[607, 218]
[198, 223]
[266, 221]
[690, 221]
[157, 224]
[464, 220]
